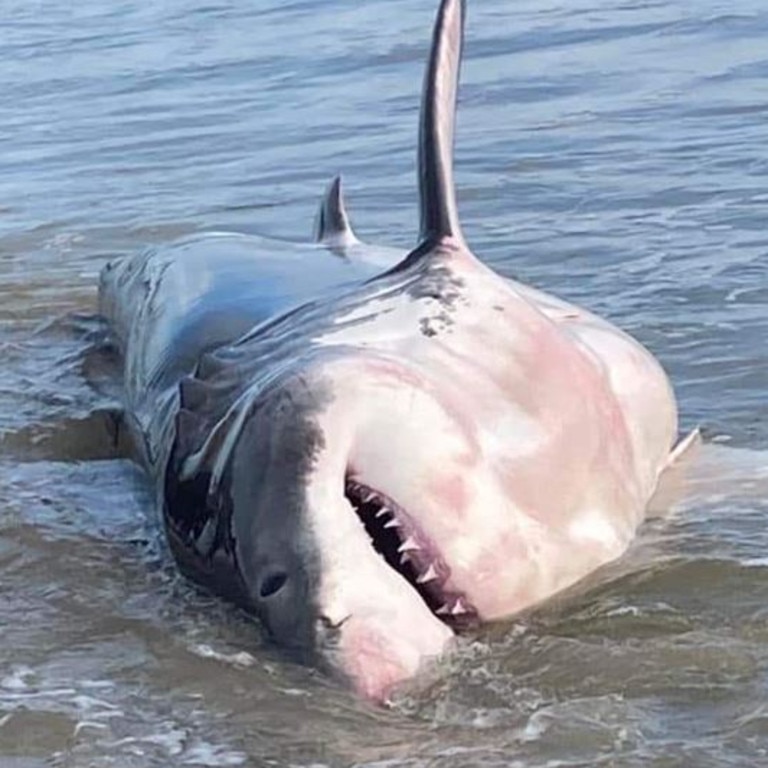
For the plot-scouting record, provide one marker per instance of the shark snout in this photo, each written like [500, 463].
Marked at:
[372, 628]
[374, 655]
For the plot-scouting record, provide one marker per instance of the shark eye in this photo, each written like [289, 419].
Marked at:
[273, 583]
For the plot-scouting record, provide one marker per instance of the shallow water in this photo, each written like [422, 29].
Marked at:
[611, 151]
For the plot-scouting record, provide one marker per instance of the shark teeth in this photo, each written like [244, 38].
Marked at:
[409, 545]
[393, 523]
[429, 575]
[457, 609]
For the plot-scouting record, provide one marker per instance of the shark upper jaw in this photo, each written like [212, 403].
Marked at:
[384, 599]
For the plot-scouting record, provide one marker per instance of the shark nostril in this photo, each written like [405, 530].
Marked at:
[272, 583]
[329, 625]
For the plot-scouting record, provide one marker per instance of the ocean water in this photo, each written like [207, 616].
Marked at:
[610, 151]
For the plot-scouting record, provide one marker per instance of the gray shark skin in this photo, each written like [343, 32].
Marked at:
[370, 458]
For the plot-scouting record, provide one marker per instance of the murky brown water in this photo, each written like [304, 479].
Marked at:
[613, 151]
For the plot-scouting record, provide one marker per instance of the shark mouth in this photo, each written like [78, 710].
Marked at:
[408, 550]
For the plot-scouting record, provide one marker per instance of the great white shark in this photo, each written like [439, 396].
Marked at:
[372, 453]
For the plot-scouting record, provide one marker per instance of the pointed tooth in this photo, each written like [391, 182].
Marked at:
[443, 610]
[458, 608]
[409, 545]
[429, 575]
[368, 496]
[405, 558]
[393, 523]
[383, 511]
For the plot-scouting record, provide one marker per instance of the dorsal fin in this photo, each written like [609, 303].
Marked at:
[437, 194]
[332, 225]
[440, 231]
